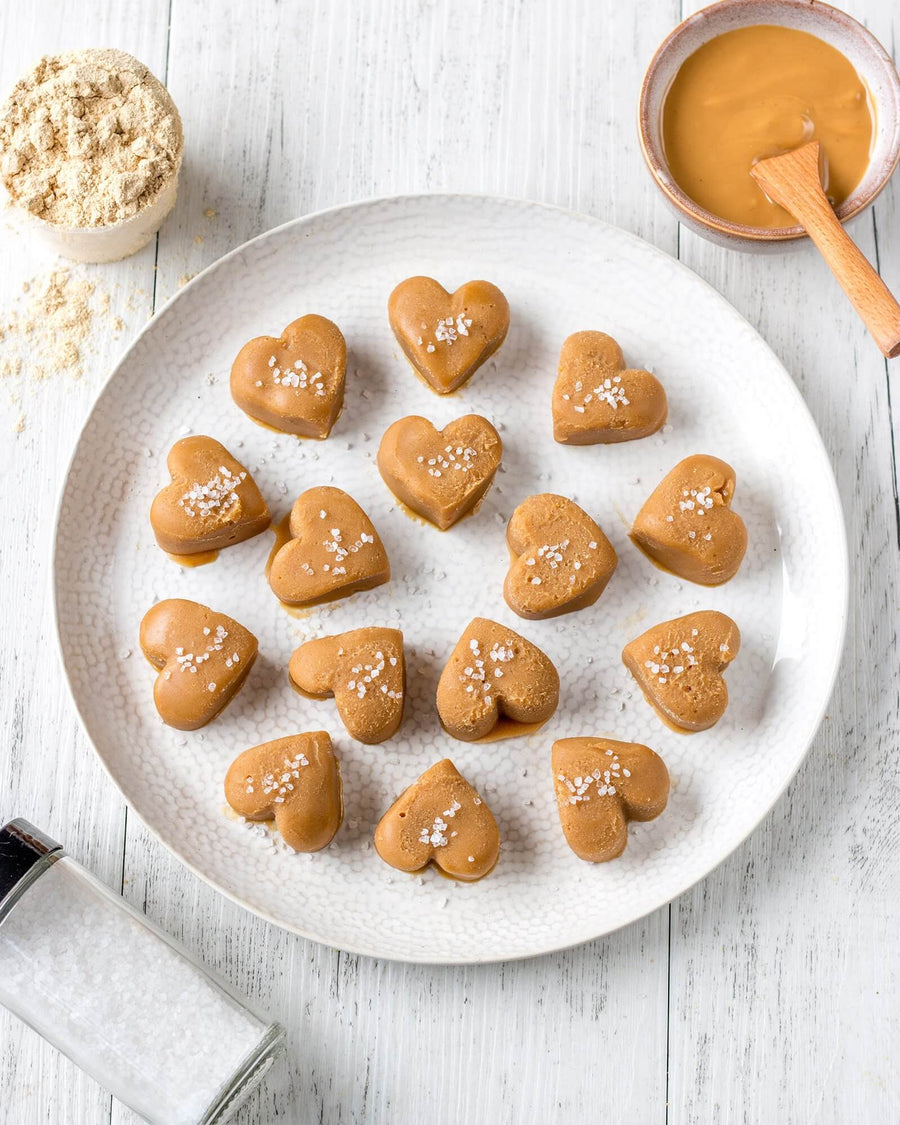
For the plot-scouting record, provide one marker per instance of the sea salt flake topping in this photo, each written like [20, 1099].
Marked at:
[609, 390]
[671, 663]
[336, 546]
[188, 662]
[578, 789]
[477, 675]
[298, 377]
[217, 495]
[435, 834]
[282, 781]
[698, 501]
[459, 459]
[450, 328]
[559, 556]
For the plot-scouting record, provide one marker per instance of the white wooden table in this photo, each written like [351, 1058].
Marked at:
[767, 994]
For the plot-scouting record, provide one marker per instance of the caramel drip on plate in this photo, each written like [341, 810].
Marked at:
[282, 533]
[201, 558]
[509, 728]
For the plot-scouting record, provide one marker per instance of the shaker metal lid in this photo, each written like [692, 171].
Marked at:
[21, 847]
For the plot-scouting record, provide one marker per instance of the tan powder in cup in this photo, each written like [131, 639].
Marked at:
[88, 138]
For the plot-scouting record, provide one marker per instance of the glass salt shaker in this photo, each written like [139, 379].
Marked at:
[122, 999]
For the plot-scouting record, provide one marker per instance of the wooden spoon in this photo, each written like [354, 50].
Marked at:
[792, 181]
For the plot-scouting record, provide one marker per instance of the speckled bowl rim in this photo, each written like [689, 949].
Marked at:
[655, 159]
[841, 593]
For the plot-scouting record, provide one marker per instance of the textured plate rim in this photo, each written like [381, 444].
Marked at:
[413, 198]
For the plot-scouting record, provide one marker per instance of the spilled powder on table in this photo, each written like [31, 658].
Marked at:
[49, 333]
[46, 332]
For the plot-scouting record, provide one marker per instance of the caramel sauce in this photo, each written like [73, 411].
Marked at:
[200, 558]
[282, 534]
[423, 380]
[757, 92]
[663, 717]
[284, 433]
[299, 690]
[414, 516]
[651, 559]
[303, 611]
[436, 867]
[665, 720]
[509, 728]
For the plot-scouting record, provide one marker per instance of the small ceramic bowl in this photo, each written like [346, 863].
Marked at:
[871, 61]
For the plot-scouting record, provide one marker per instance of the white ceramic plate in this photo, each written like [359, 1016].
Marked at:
[728, 396]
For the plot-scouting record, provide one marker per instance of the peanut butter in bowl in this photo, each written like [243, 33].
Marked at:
[743, 81]
[756, 92]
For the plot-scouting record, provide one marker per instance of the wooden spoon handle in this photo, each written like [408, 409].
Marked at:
[793, 182]
[868, 294]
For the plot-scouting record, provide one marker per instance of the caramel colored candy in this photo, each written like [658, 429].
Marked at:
[203, 658]
[440, 819]
[441, 474]
[294, 383]
[334, 551]
[597, 400]
[212, 502]
[447, 337]
[297, 782]
[687, 525]
[602, 784]
[365, 672]
[561, 560]
[494, 672]
[679, 667]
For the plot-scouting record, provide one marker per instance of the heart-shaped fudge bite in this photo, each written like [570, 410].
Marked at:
[334, 550]
[561, 560]
[294, 383]
[679, 667]
[597, 400]
[365, 672]
[440, 819]
[297, 782]
[494, 673]
[687, 525]
[202, 657]
[447, 336]
[212, 502]
[440, 474]
[600, 785]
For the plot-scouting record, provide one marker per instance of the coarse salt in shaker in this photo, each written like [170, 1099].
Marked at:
[122, 999]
